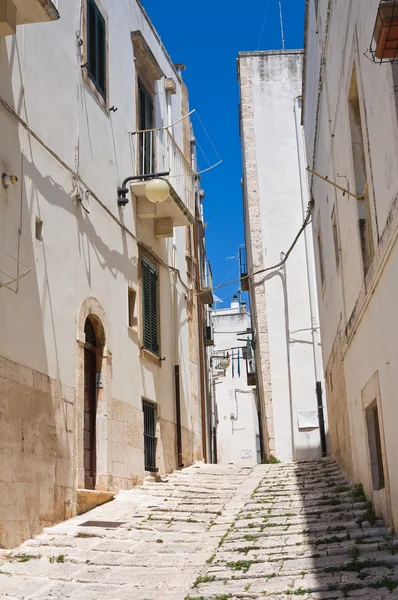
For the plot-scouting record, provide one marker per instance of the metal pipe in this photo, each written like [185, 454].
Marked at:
[178, 415]
[310, 261]
[336, 185]
[202, 355]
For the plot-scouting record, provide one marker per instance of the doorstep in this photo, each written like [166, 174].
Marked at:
[89, 499]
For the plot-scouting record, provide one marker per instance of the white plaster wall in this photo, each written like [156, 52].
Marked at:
[236, 438]
[82, 254]
[370, 347]
[276, 82]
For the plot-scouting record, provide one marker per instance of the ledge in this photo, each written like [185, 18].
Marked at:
[35, 11]
[89, 499]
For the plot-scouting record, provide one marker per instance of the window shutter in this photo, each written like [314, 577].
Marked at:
[150, 307]
[101, 53]
[96, 47]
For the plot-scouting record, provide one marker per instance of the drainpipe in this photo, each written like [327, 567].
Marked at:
[201, 344]
[309, 256]
[178, 414]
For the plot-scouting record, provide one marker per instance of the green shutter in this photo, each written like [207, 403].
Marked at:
[150, 307]
[96, 47]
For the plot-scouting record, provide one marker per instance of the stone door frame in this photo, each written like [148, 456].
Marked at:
[93, 309]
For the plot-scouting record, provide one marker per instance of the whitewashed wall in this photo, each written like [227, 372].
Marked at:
[274, 80]
[237, 436]
[361, 314]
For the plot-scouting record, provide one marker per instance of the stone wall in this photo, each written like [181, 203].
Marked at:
[36, 452]
[339, 424]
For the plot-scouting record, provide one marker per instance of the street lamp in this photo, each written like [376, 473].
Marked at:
[156, 190]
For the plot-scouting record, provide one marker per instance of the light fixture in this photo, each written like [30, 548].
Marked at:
[157, 190]
[122, 191]
[8, 180]
[224, 363]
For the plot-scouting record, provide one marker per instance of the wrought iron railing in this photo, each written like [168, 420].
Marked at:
[150, 439]
[156, 151]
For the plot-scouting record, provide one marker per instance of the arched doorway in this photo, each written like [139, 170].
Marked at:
[90, 405]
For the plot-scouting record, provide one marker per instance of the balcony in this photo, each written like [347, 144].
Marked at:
[206, 283]
[384, 46]
[21, 12]
[156, 151]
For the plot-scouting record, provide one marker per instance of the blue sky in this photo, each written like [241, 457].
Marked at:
[206, 35]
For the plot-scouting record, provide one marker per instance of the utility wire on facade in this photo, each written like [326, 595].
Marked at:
[306, 222]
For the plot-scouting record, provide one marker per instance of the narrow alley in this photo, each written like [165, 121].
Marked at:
[213, 533]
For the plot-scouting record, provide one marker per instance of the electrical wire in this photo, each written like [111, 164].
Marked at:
[262, 28]
[279, 264]
[12, 112]
[7, 283]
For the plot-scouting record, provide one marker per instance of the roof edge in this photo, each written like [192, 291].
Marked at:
[270, 52]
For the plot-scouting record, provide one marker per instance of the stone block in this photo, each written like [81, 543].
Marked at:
[25, 376]
[89, 499]
[4, 395]
[47, 501]
[11, 432]
[19, 399]
[8, 369]
[5, 465]
[41, 382]
[41, 407]
[63, 473]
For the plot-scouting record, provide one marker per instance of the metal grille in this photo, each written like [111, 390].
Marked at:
[150, 440]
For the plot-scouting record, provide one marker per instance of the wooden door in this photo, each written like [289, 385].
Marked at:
[90, 414]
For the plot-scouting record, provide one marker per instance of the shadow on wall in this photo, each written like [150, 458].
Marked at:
[36, 412]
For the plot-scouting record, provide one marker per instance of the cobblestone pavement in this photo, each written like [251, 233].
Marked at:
[216, 533]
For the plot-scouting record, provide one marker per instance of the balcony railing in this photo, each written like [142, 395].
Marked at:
[206, 282]
[156, 151]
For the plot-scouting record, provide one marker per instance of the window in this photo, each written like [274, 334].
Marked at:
[150, 328]
[96, 47]
[316, 2]
[150, 440]
[132, 321]
[320, 255]
[39, 229]
[361, 185]
[375, 451]
[146, 138]
[335, 239]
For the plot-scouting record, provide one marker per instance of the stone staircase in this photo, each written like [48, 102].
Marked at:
[304, 532]
[147, 544]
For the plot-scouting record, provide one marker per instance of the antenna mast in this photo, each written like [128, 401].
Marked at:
[281, 18]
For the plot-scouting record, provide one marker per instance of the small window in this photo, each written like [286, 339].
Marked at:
[132, 320]
[320, 255]
[316, 3]
[39, 229]
[96, 47]
[375, 451]
[336, 240]
[150, 326]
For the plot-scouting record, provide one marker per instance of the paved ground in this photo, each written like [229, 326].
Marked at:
[216, 533]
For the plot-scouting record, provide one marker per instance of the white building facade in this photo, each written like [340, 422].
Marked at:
[101, 381]
[351, 130]
[235, 401]
[282, 299]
